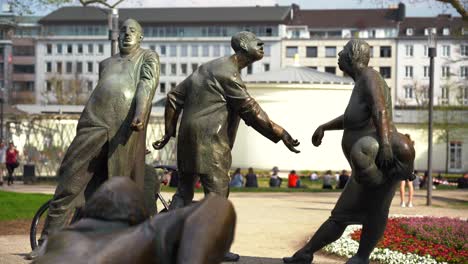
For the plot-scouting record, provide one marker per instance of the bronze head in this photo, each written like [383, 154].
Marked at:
[248, 44]
[130, 36]
[354, 56]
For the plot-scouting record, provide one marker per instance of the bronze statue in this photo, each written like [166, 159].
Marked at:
[111, 132]
[379, 156]
[115, 229]
[214, 99]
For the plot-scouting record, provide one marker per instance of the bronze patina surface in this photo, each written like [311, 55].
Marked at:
[379, 156]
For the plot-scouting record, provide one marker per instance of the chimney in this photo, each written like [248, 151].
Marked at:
[401, 13]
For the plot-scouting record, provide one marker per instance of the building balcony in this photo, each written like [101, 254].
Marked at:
[24, 60]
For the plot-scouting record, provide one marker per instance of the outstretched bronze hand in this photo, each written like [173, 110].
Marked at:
[159, 144]
[290, 142]
[317, 137]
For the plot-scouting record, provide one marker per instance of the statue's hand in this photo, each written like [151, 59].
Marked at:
[317, 137]
[385, 155]
[159, 144]
[290, 142]
[137, 124]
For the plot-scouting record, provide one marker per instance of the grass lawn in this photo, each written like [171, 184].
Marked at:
[20, 205]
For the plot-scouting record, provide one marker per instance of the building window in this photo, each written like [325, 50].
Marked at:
[90, 48]
[194, 49]
[227, 50]
[426, 71]
[162, 87]
[426, 51]
[330, 52]
[162, 50]
[444, 97]
[330, 69]
[291, 51]
[49, 48]
[59, 67]
[371, 51]
[68, 67]
[48, 66]
[266, 67]
[173, 69]
[408, 91]
[163, 68]
[23, 69]
[386, 72]
[311, 52]
[59, 48]
[267, 50]
[427, 30]
[90, 66]
[446, 50]
[205, 51]
[455, 155]
[445, 31]
[194, 66]
[445, 71]
[464, 50]
[183, 51]
[249, 69]
[101, 48]
[409, 50]
[385, 52]
[409, 32]
[69, 48]
[183, 68]
[464, 72]
[79, 67]
[80, 49]
[173, 85]
[89, 85]
[152, 47]
[48, 86]
[216, 51]
[464, 95]
[409, 71]
[173, 51]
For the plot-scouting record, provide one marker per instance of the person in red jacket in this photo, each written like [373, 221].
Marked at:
[11, 161]
[293, 180]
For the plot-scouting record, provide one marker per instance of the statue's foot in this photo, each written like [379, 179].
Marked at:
[231, 257]
[357, 260]
[39, 251]
[299, 259]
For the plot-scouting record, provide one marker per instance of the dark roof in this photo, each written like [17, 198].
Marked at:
[347, 18]
[418, 24]
[263, 14]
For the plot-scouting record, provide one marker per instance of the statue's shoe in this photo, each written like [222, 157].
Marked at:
[357, 260]
[231, 257]
[298, 259]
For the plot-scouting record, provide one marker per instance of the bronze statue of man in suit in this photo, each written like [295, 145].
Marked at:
[379, 156]
[115, 229]
[111, 132]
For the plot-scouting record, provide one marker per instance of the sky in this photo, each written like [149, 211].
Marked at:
[413, 7]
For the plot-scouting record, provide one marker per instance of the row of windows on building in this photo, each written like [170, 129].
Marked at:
[420, 93]
[84, 85]
[69, 48]
[186, 68]
[331, 51]
[445, 50]
[445, 72]
[68, 67]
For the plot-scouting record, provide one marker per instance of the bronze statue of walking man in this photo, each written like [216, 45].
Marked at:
[379, 156]
[111, 132]
[214, 99]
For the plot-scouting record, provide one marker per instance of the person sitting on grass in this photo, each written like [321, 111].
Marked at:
[293, 180]
[275, 180]
[251, 179]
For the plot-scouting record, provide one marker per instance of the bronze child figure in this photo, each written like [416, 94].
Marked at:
[379, 156]
[214, 99]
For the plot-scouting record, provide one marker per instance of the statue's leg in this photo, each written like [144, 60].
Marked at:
[216, 182]
[328, 232]
[185, 190]
[362, 159]
[85, 158]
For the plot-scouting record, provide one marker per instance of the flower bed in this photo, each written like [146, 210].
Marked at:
[412, 240]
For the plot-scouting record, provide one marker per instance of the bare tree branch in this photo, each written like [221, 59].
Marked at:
[459, 6]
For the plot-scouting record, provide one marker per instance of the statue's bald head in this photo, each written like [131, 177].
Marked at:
[130, 36]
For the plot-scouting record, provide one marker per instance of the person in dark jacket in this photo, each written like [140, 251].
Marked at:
[251, 179]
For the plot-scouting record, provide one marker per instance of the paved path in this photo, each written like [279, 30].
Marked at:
[270, 225]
